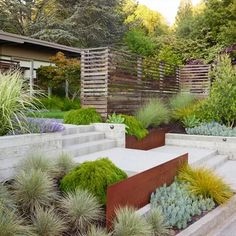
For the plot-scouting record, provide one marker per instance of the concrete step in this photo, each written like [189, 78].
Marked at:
[228, 172]
[196, 156]
[78, 138]
[213, 162]
[75, 129]
[90, 147]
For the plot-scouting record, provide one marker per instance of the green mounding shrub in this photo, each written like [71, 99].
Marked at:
[154, 113]
[37, 161]
[128, 222]
[83, 116]
[95, 176]
[6, 199]
[15, 101]
[47, 222]
[178, 205]
[58, 103]
[33, 188]
[81, 209]
[158, 223]
[204, 182]
[212, 129]
[134, 127]
[12, 225]
[182, 105]
[220, 106]
[68, 104]
[51, 103]
[64, 164]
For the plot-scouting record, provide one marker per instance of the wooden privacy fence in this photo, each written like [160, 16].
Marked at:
[195, 79]
[117, 81]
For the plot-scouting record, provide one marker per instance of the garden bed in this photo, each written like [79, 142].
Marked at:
[155, 138]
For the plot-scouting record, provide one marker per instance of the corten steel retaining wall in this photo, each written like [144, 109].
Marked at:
[155, 138]
[136, 190]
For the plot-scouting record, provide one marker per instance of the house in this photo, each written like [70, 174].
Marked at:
[29, 53]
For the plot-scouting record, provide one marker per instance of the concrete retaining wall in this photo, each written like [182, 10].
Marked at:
[224, 145]
[16, 147]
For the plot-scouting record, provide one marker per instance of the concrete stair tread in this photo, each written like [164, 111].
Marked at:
[85, 134]
[228, 172]
[214, 162]
[76, 146]
[196, 155]
[74, 129]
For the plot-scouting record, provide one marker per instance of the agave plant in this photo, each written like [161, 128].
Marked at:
[15, 100]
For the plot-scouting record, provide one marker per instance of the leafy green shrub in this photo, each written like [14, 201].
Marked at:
[190, 121]
[83, 116]
[153, 113]
[116, 119]
[213, 129]
[15, 101]
[158, 222]
[47, 222]
[128, 222]
[33, 188]
[81, 209]
[178, 205]
[12, 225]
[135, 127]
[51, 103]
[95, 176]
[68, 104]
[204, 182]
[220, 106]
[182, 105]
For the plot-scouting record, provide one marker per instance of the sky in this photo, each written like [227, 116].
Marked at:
[168, 8]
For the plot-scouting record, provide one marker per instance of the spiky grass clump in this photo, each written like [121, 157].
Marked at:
[96, 231]
[128, 222]
[6, 199]
[15, 100]
[182, 105]
[154, 113]
[205, 182]
[47, 222]
[157, 222]
[37, 161]
[12, 225]
[33, 188]
[64, 164]
[81, 209]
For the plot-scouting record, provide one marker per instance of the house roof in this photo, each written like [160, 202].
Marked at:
[19, 39]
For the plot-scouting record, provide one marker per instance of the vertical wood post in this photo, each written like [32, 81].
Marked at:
[161, 73]
[178, 78]
[139, 76]
[82, 63]
[31, 79]
[67, 89]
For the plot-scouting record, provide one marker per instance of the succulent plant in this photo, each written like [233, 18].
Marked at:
[212, 129]
[178, 205]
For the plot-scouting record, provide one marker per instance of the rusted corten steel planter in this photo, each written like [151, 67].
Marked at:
[136, 190]
[155, 138]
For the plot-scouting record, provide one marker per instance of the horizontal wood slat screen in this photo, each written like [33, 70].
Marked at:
[195, 79]
[117, 81]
